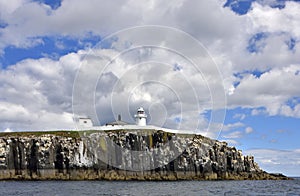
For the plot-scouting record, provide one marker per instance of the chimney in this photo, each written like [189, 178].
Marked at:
[119, 117]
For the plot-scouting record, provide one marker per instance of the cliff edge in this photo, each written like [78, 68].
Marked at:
[122, 155]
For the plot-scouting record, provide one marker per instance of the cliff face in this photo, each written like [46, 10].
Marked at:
[122, 155]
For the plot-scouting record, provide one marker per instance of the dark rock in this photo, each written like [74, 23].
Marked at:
[123, 155]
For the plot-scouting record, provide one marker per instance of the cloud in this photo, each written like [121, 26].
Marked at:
[8, 8]
[234, 135]
[277, 161]
[206, 21]
[229, 127]
[272, 3]
[30, 19]
[37, 94]
[276, 85]
[273, 141]
[281, 131]
[146, 77]
[13, 112]
[232, 142]
[278, 20]
[225, 34]
[258, 111]
[248, 130]
[239, 116]
[8, 130]
[43, 100]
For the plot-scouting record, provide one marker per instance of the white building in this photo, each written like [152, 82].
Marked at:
[140, 117]
[140, 120]
[85, 122]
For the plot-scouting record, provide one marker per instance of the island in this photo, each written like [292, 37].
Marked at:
[123, 152]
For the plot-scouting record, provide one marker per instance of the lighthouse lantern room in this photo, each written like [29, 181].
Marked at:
[140, 117]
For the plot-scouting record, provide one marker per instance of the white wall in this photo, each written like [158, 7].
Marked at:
[85, 122]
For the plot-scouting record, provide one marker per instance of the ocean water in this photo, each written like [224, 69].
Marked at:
[73, 188]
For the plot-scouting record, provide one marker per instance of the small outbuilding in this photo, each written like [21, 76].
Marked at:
[85, 122]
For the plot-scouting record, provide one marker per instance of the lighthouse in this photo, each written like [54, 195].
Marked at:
[140, 117]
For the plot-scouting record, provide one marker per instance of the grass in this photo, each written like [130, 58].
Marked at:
[62, 133]
[77, 134]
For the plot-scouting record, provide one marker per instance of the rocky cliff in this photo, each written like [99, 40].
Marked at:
[122, 155]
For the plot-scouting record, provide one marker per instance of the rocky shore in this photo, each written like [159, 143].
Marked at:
[123, 155]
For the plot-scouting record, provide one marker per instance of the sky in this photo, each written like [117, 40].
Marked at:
[227, 69]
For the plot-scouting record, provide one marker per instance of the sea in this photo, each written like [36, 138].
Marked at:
[74, 188]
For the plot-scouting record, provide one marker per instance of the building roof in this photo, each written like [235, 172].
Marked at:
[118, 122]
[140, 109]
[84, 118]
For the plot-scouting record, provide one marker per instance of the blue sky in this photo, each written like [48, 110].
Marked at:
[51, 47]
[255, 45]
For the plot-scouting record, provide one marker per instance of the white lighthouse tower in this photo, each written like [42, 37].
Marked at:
[140, 117]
